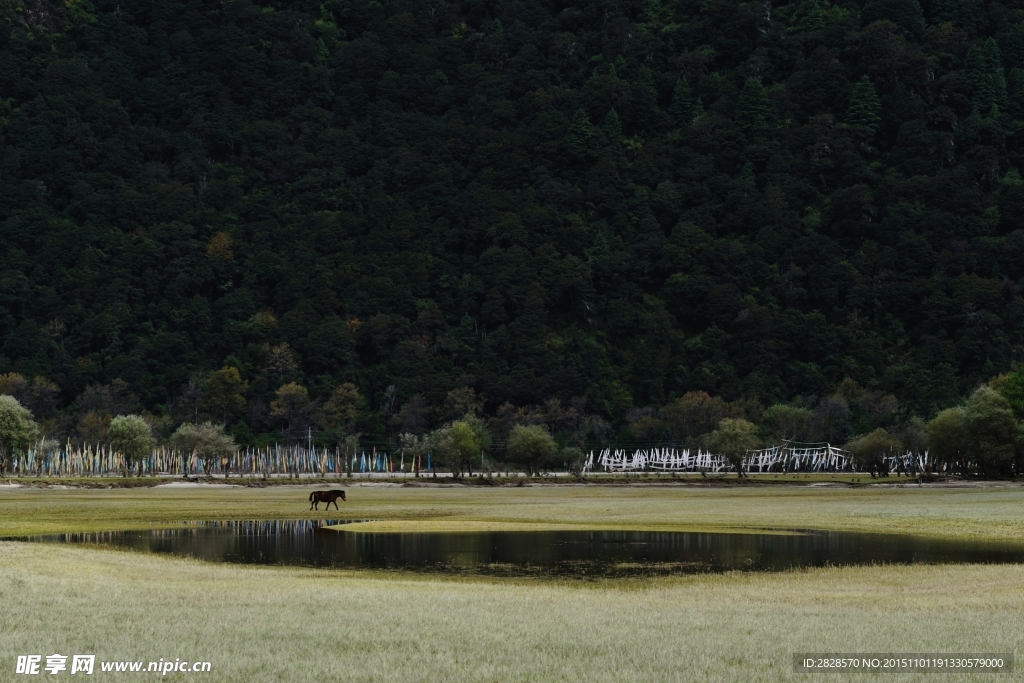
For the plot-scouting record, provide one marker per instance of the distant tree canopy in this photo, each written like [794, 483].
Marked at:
[781, 423]
[207, 442]
[532, 447]
[865, 107]
[460, 445]
[17, 430]
[869, 450]
[132, 437]
[1013, 391]
[301, 217]
[733, 439]
[994, 438]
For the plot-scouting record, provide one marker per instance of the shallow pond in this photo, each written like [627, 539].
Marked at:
[553, 553]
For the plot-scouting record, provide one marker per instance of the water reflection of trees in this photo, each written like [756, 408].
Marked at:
[567, 553]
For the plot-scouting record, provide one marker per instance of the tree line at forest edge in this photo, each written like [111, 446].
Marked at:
[983, 436]
[576, 213]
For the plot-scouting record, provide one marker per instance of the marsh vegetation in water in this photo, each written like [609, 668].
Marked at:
[525, 553]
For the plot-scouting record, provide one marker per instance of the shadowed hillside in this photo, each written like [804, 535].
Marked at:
[607, 203]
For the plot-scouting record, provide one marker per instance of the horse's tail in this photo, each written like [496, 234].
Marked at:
[311, 497]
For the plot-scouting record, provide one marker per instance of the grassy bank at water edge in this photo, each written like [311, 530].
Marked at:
[981, 513]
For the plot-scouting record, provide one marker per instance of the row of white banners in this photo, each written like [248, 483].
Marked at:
[824, 458]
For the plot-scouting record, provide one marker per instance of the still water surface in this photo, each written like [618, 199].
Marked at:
[556, 553]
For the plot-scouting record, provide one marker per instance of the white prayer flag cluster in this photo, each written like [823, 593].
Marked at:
[797, 458]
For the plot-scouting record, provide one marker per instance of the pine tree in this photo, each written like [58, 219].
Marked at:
[645, 76]
[1013, 46]
[746, 181]
[612, 126]
[863, 114]
[620, 65]
[975, 69]
[754, 111]
[1015, 93]
[985, 71]
[814, 22]
[994, 67]
[580, 132]
[685, 107]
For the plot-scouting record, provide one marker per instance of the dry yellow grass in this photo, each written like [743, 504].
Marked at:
[295, 625]
[292, 624]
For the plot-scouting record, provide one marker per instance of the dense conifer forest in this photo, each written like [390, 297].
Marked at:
[623, 220]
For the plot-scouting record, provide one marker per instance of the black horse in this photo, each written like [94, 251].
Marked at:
[328, 497]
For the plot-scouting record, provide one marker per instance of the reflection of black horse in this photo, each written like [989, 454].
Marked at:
[328, 497]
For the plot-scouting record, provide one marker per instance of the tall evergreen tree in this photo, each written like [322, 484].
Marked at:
[975, 68]
[685, 107]
[865, 108]
[814, 22]
[620, 65]
[754, 111]
[985, 71]
[1012, 46]
[612, 126]
[645, 77]
[580, 132]
[994, 67]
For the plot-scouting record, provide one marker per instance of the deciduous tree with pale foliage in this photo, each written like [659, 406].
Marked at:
[132, 437]
[17, 430]
[532, 447]
[733, 439]
[207, 441]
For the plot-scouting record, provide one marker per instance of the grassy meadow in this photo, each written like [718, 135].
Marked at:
[995, 513]
[294, 624]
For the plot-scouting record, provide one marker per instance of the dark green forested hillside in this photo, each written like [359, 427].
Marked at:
[606, 203]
